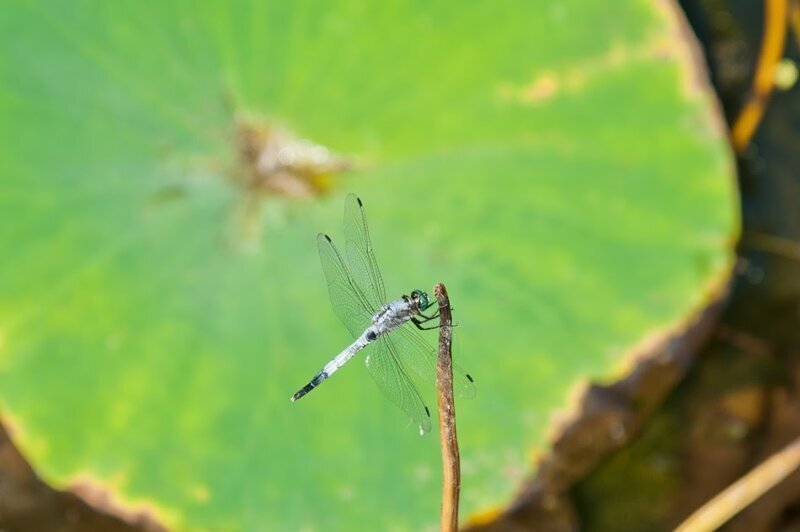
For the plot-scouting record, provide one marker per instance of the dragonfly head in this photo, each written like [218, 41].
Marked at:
[421, 299]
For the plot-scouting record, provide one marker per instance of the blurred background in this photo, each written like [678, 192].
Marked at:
[611, 202]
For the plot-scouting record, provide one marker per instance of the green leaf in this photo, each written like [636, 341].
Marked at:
[549, 161]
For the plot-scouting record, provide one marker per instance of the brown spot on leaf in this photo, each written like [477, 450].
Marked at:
[276, 162]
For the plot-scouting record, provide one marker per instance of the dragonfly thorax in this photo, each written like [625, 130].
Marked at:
[394, 314]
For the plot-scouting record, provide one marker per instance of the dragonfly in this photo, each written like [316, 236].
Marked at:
[390, 330]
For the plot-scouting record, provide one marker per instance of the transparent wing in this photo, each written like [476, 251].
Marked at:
[360, 255]
[393, 380]
[347, 299]
[420, 357]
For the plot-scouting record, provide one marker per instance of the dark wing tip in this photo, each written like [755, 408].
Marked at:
[427, 411]
[327, 238]
[469, 377]
[359, 201]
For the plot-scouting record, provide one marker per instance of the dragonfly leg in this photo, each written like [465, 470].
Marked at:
[418, 324]
[434, 316]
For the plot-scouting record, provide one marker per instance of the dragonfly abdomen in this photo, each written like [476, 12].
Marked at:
[338, 361]
[318, 379]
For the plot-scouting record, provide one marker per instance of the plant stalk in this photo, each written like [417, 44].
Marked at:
[451, 462]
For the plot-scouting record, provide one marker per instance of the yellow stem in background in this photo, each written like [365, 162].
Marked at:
[744, 491]
[777, 245]
[773, 41]
[794, 20]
